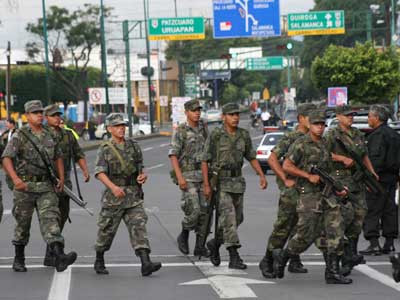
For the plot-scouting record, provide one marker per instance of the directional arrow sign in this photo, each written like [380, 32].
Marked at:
[229, 287]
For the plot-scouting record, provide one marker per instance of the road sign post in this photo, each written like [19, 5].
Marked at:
[316, 23]
[176, 29]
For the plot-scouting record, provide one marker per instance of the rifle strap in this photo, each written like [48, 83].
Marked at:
[117, 155]
[34, 146]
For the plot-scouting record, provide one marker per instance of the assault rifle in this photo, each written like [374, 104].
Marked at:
[331, 185]
[370, 180]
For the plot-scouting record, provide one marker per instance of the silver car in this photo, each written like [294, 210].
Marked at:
[267, 143]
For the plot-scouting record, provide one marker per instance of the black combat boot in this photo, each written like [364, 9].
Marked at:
[373, 248]
[99, 265]
[199, 249]
[235, 262]
[388, 247]
[395, 260]
[183, 241]
[213, 245]
[62, 260]
[49, 258]
[357, 258]
[148, 267]
[281, 257]
[332, 274]
[347, 260]
[19, 259]
[295, 265]
[266, 265]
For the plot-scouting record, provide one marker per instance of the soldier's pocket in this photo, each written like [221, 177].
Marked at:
[309, 202]
[187, 206]
[109, 200]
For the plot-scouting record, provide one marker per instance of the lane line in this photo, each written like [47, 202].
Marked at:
[147, 149]
[257, 137]
[60, 285]
[378, 276]
[155, 167]
[164, 145]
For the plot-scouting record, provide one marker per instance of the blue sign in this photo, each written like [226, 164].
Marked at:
[337, 96]
[246, 18]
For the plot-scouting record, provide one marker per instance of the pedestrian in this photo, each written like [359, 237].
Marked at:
[316, 212]
[72, 153]
[24, 161]
[185, 155]
[119, 166]
[224, 152]
[287, 216]
[7, 135]
[383, 149]
[346, 172]
[265, 116]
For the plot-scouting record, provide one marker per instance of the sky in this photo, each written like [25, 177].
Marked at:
[15, 14]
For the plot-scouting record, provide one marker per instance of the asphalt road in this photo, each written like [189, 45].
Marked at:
[182, 277]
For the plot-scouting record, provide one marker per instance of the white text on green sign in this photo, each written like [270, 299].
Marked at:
[176, 29]
[265, 63]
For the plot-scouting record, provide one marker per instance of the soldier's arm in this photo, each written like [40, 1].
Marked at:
[369, 166]
[274, 164]
[9, 168]
[116, 190]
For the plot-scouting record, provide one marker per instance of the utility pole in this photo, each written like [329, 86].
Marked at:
[176, 9]
[148, 67]
[8, 79]
[369, 25]
[104, 57]
[46, 53]
[392, 22]
[125, 29]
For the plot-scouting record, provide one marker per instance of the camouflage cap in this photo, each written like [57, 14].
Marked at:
[317, 116]
[305, 109]
[192, 105]
[115, 119]
[52, 109]
[344, 110]
[231, 108]
[33, 106]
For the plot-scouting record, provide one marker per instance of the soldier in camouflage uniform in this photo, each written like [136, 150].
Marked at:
[345, 172]
[316, 212]
[33, 187]
[185, 154]
[71, 151]
[224, 152]
[119, 166]
[287, 216]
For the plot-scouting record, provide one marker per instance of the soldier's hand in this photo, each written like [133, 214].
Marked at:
[118, 192]
[289, 183]
[60, 186]
[86, 176]
[348, 162]
[207, 191]
[141, 179]
[182, 184]
[343, 193]
[263, 182]
[19, 185]
[313, 178]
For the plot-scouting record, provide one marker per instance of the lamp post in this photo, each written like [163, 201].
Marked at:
[46, 52]
[104, 57]
[8, 79]
[392, 23]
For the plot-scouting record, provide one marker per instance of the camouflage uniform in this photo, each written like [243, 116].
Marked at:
[229, 160]
[187, 145]
[31, 169]
[129, 208]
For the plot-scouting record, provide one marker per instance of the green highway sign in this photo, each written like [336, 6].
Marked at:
[316, 23]
[192, 85]
[266, 63]
[176, 29]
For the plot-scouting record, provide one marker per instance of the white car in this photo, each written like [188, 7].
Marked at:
[267, 143]
[213, 116]
[137, 129]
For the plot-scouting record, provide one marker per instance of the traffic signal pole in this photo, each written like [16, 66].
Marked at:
[125, 30]
[151, 117]
[46, 53]
[104, 56]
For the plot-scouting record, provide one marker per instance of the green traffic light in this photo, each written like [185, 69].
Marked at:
[289, 46]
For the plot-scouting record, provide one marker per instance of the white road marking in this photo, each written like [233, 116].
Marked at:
[222, 270]
[164, 145]
[7, 212]
[228, 287]
[147, 149]
[245, 166]
[257, 137]
[155, 167]
[60, 285]
[376, 275]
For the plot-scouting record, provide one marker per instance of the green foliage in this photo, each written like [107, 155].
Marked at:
[371, 76]
[230, 94]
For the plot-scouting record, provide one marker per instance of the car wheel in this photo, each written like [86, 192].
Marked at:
[105, 137]
[85, 135]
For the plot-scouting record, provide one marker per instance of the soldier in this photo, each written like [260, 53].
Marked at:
[224, 152]
[313, 208]
[345, 171]
[28, 170]
[185, 155]
[71, 151]
[119, 166]
[287, 216]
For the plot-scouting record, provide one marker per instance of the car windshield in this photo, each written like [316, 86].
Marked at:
[291, 115]
[272, 139]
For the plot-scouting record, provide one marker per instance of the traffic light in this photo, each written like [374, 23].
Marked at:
[226, 56]
[152, 91]
[147, 71]
[287, 46]
[22, 62]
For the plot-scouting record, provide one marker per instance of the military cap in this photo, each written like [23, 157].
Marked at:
[52, 109]
[192, 105]
[344, 110]
[305, 109]
[317, 116]
[115, 119]
[33, 106]
[231, 108]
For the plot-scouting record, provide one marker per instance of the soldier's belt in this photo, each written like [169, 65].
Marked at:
[124, 181]
[230, 173]
[342, 172]
[191, 167]
[309, 189]
[35, 178]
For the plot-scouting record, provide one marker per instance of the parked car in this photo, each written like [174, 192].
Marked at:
[267, 143]
[137, 129]
[361, 122]
[213, 116]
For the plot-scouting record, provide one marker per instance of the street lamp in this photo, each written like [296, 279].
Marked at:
[104, 56]
[46, 52]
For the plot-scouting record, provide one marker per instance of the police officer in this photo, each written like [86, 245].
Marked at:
[382, 209]
[185, 154]
[287, 215]
[313, 208]
[119, 166]
[225, 149]
[33, 188]
[71, 152]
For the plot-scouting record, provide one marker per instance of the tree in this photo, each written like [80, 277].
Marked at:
[71, 34]
[371, 76]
